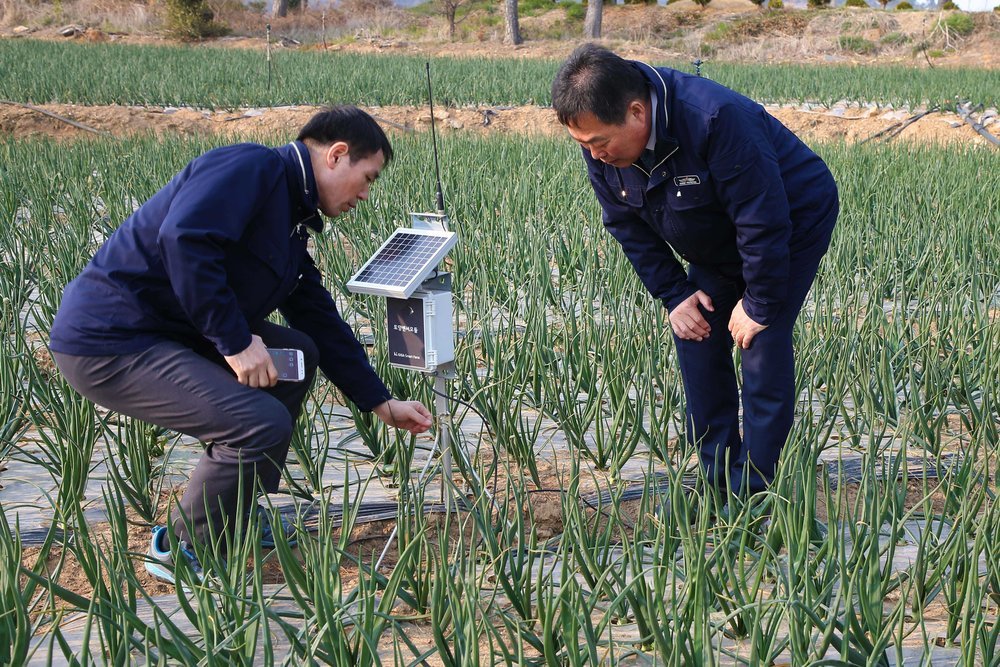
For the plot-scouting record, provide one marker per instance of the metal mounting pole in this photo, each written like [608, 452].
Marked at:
[442, 373]
[443, 415]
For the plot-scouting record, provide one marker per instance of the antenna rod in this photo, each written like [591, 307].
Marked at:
[437, 169]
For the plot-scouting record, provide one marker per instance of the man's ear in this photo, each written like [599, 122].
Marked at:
[336, 151]
[637, 109]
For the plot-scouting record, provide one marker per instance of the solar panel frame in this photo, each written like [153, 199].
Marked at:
[402, 263]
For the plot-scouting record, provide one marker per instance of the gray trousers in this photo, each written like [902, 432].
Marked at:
[246, 431]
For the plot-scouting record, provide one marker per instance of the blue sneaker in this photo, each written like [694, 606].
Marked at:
[267, 534]
[160, 562]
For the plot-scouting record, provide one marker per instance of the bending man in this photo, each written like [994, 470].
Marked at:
[686, 169]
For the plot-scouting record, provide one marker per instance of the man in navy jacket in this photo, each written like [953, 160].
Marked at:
[168, 323]
[686, 169]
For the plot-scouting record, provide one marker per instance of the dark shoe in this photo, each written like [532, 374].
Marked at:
[756, 515]
[267, 533]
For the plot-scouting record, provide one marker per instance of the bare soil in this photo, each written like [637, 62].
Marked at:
[812, 125]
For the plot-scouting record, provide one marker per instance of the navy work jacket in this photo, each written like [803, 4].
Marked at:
[207, 259]
[730, 188]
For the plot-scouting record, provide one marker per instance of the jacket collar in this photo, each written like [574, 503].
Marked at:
[665, 143]
[302, 183]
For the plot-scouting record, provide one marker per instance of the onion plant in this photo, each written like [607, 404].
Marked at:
[16, 626]
[136, 475]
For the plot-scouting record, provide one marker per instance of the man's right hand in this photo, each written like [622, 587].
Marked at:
[253, 366]
[686, 319]
[409, 415]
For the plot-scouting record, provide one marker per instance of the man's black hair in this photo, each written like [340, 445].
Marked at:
[597, 81]
[350, 125]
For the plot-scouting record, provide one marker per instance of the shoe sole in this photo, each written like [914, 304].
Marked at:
[160, 572]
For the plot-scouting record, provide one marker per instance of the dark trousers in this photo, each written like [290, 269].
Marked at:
[768, 369]
[246, 431]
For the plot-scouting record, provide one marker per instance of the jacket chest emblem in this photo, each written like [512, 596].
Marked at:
[687, 180]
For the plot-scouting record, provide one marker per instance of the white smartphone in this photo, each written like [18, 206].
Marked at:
[290, 364]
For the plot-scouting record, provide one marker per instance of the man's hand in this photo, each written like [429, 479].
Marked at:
[742, 327]
[253, 366]
[409, 415]
[686, 319]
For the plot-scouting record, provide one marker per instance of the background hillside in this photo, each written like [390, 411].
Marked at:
[725, 30]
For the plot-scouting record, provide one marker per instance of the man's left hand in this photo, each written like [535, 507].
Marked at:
[742, 327]
[409, 415]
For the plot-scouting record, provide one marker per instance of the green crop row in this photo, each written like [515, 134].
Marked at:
[43, 72]
[898, 353]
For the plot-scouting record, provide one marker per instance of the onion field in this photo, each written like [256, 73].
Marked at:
[582, 532]
[228, 78]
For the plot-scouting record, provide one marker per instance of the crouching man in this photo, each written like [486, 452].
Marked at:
[168, 322]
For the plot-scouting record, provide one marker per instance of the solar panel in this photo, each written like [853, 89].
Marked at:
[402, 263]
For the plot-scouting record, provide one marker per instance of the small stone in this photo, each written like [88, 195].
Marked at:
[70, 30]
[21, 30]
[438, 117]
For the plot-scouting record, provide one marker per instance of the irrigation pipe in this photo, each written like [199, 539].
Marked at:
[832, 115]
[56, 116]
[851, 471]
[390, 123]
[978, 127]
[381, 120]
[896, 128]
